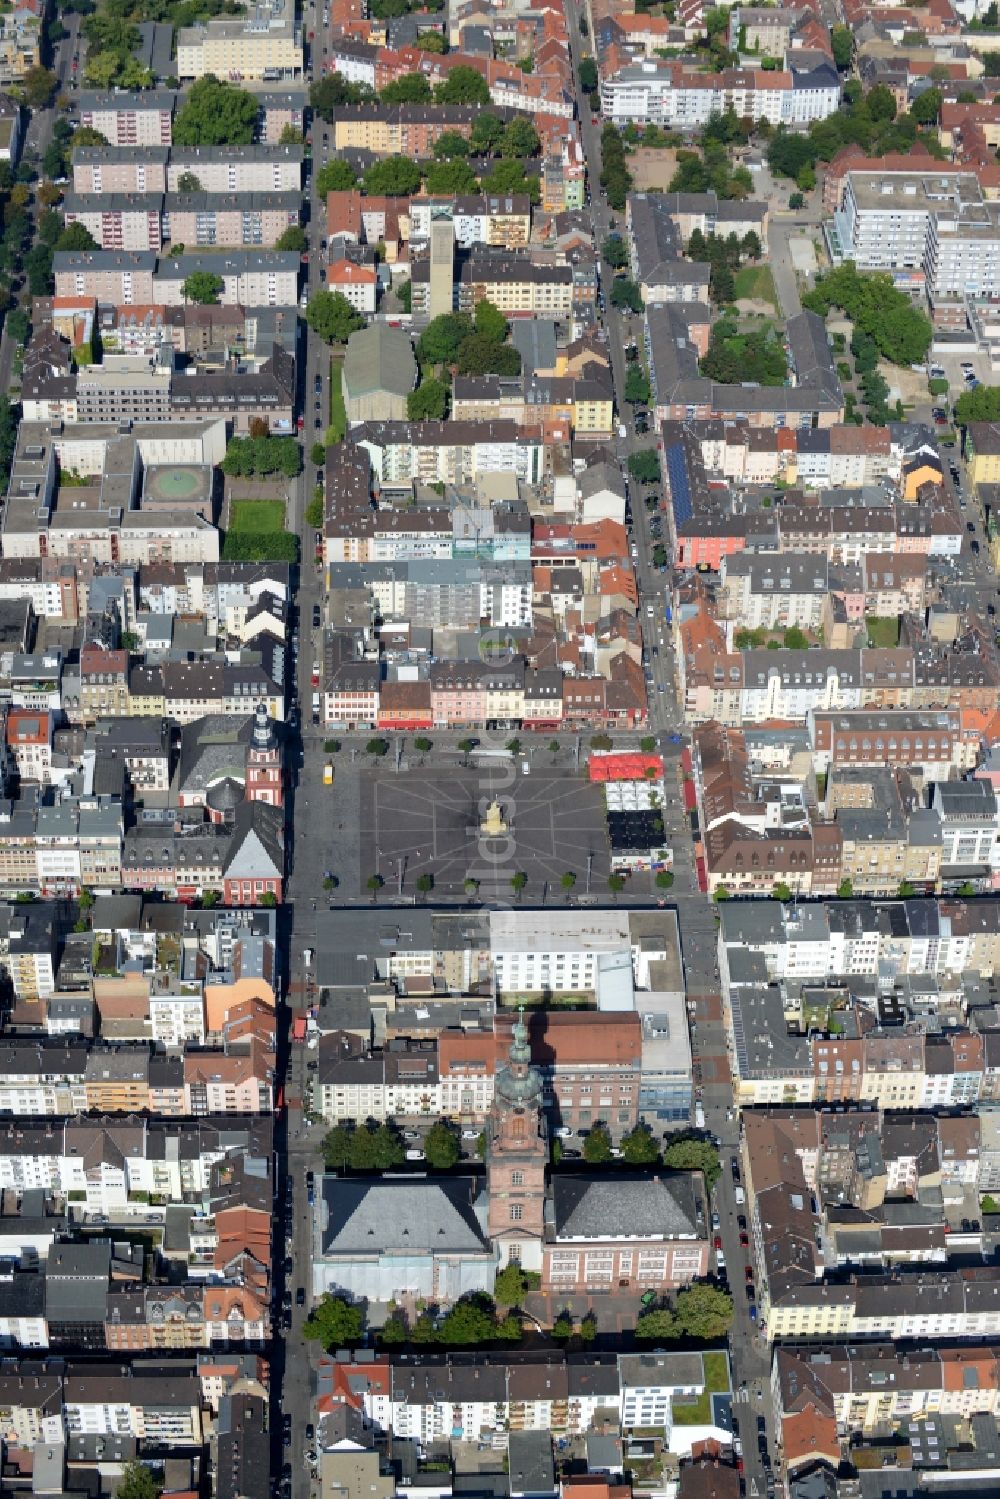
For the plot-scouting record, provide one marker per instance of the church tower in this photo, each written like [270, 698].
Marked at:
[516, 1157]
[263, 762]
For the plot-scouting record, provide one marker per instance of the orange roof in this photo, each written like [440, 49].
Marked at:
[623, 767]
[24, 727]
[458, 1049]
[807, 1435]
[348, 274]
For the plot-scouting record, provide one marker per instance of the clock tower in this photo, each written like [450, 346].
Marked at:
[264, 776]
[517, 1153]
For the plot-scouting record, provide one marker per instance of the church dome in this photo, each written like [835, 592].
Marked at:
[518, 1082]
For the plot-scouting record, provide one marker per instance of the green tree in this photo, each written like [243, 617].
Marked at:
[616, 884]
[562, 1327]
[926, 107]
[688, 1153]
[442, 338]
[315, 512]
[597, 1145]
[664, 879]
[39, 86]
[639, 1148]
[512, 1284]
[202, 287]
[966, 889]
[462, 86]
[393, 1331]
[451, 146]
[335, 177]
[335, 1323]
[377, 747]
[76, 237]
[795, 639]
[518, 882]
[411, 88]
[332, 317]
[658, 1325]
[317, 454]
[636, 384]
[387, 1148]
[392, 177]
[842, 42]
[781, 892]
[703, 1311]
[425, 883]
[292, 238]
[845, 889]
[520, 139]
[615, 251]
[625, 293]
[374, 884]
[137, 1482]
[432, 41]
[979, 405]
[450, 179]
[486, 135]
[567, 880]
[332, 92]
[291, 136]
[422, 743]
[187, 182]
[481, 355]
[336, 1147]
[588, 75]
[490, 321]
[216, 114]
[471, 1322]
[906, 890]
[442, 1149]
[644, 466]
[404, 294]
[428, 402]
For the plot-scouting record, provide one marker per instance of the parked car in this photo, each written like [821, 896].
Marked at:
[300, 1296]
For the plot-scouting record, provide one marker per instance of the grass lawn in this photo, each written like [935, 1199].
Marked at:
[716, 1372]
[883, 631]
[756, 282]
[338, 411]
[257, 515]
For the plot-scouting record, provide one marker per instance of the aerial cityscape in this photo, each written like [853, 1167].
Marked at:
[500, 774]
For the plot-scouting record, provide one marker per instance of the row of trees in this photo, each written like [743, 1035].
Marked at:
[640, 1148]
[616, 179]
[259, 456]
[699, 1311]
[505, 147]
[734, 357]
[380, 1147]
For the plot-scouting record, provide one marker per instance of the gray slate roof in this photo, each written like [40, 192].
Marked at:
[401, 1216]
[635, 1207]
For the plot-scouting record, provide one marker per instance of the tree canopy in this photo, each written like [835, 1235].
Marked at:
[335, 1323]
[442, 338]
[335, 177]
[597, 1145]
[441, 1146]
[202, 287]
[429, 402]
[331, 315]
[216, 114]
[901, 332]
[392, 177]
[76, 236]
[644, 466]
[979, 405]
[137, 1482]
[462, 86]
[366, 1148]
[411, 88]
[252, 457]
[332, 91]
[689, 1153]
